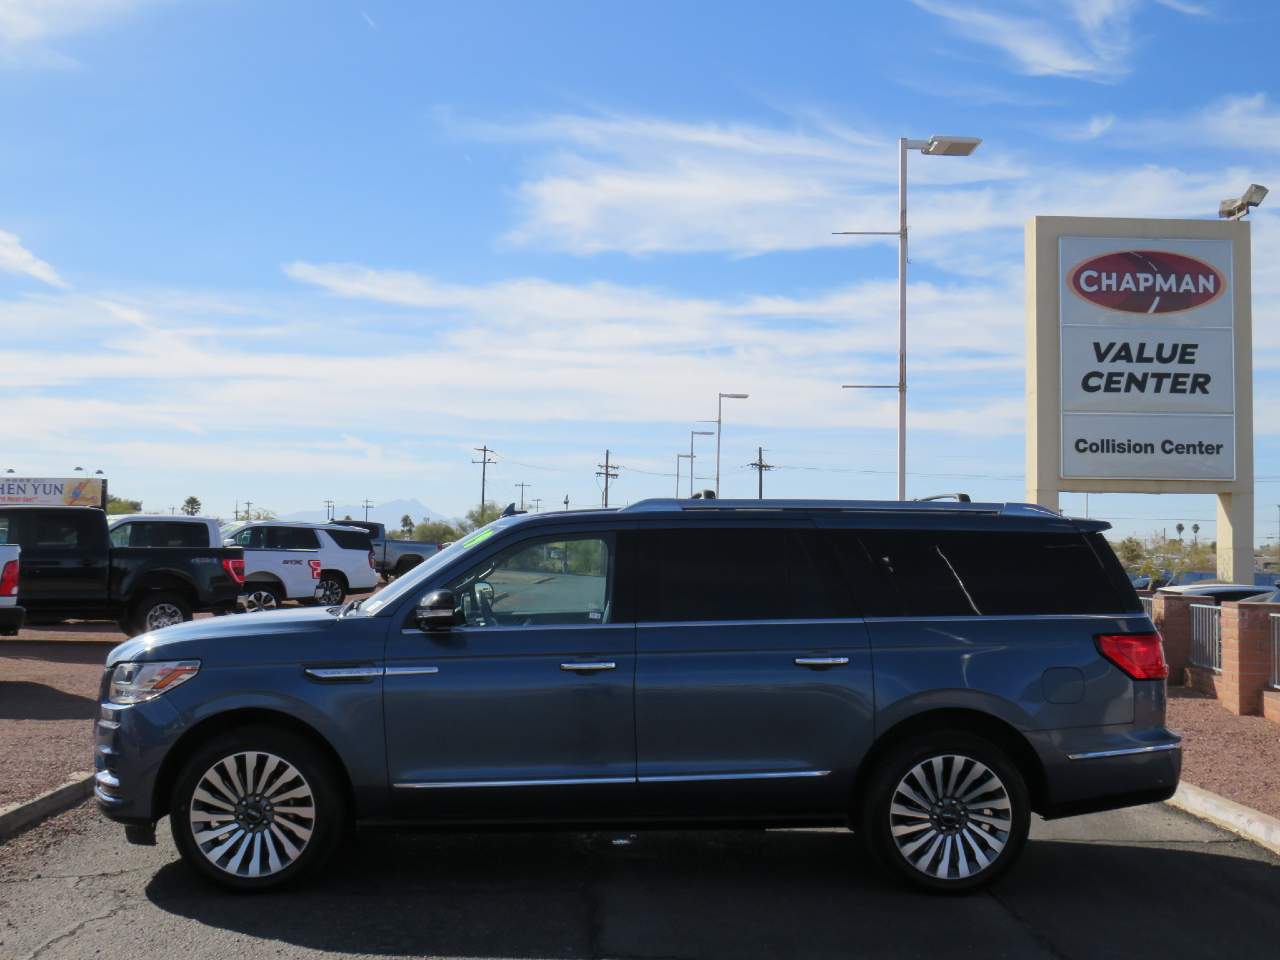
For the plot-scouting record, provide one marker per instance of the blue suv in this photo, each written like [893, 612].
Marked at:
[929, 674]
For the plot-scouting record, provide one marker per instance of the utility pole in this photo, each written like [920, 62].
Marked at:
[760, 467]
[537, 504]
[367, 504]
[248, 514]
[328, 509]
[608, 474]
[566, 501]
[679, 457]
[236, 512]
[522, 485]
[484, 462]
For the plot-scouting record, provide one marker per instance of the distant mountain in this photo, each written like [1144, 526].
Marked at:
[388, 513]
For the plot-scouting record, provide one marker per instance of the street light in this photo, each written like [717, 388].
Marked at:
[936, 146]
[701, 433]
[1233, 208]
[720, 399]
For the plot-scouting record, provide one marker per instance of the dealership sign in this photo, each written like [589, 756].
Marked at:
[53, 492]
[1147, 352]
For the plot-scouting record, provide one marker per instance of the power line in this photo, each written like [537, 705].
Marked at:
[760, 467]
[609, 473]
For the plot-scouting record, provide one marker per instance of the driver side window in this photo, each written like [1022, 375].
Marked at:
[549, 582]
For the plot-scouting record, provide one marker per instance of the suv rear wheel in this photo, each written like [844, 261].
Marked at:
[257, 807]
[948, 811]
[262, 596]
[331, 590]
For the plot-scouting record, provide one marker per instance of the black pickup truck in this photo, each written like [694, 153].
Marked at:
[70, 571]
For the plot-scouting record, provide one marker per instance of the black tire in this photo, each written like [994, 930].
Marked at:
[334, 584]
[231, 857]
[155, 610]
[405, 565]
[261, 596]
[963, 825]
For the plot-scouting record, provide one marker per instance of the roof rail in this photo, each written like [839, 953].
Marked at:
[958, 497]
[931, 505]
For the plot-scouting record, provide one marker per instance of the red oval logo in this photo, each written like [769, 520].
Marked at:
[1147, 281]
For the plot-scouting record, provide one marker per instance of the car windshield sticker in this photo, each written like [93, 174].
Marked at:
[480, 537]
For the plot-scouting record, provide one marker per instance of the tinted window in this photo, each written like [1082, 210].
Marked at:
[967, 573]
[160, 533]
[351, 539]
[251, 537]
[292, 538]
[8, 529]
[71, 530]
[733, 574]
[538, 583]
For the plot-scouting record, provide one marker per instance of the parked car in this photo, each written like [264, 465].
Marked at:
[929, 674]
[392, 558]
[314, 562]
[1219, 592]
[11, 615]
[70, 570]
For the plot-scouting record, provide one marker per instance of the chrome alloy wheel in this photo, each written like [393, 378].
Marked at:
[950, 817]
[163, 615]
[257, 600]
[329, 592]
[252, 814]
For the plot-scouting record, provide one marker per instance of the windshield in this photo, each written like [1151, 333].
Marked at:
[411, 581]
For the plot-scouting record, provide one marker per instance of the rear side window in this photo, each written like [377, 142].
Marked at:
[992, 573]
[292, 538]
[8, 529]
[351, 539]
[73, 531]
[251, 537]
[732, 574]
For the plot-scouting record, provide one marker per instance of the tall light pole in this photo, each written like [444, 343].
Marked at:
[720, 399]
[679, 457]
[702, 433]
[933, 147]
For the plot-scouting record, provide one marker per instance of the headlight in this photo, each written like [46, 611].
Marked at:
[136, 682]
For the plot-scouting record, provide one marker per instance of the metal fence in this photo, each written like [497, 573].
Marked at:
[1275, 650]
[1146, 605]
[1206, 636]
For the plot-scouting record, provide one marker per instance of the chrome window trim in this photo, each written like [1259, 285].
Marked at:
[1126, 751]
[481, 631]
[1133, 615]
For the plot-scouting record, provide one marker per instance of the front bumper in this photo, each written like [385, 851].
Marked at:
[11, 620]
[130, 744]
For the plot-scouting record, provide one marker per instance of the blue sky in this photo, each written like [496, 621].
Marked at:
[289, 251]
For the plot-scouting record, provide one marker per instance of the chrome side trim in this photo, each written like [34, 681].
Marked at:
[693, 777]
[588, 667]
[1126, 751]
[821, 661]
[407, 671]
[343, 673]
[454, 784]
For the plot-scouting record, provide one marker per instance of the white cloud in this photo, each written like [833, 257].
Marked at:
[1240, 122]
[27, 27]
[15, 258]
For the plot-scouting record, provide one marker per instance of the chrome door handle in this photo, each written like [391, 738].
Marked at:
[821, 661]
[589, 667]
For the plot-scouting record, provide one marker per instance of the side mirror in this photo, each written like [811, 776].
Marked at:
[435, 610]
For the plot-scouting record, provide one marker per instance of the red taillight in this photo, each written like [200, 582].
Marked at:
[234, 569]
[1140, 655]
[315, 569]
[9, 579]
[372, 565]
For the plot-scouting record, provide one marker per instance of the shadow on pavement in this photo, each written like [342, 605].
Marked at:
[802, 894]
[58, 651]
[22, 700]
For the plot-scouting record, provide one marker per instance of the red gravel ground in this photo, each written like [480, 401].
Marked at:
[1234, 757]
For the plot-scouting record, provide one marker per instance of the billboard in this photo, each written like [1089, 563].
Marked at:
[53, 491]
[1147, 358]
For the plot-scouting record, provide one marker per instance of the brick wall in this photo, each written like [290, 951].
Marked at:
[1172, 616]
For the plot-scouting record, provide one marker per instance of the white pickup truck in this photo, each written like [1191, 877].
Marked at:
[315, 562]
[11, 615]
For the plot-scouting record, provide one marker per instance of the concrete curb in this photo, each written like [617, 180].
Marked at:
[16, 817]
[1262, 829]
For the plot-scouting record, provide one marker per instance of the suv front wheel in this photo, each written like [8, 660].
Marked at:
[949, 811]
[257, 807]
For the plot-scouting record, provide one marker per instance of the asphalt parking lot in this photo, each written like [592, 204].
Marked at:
[1137, 883]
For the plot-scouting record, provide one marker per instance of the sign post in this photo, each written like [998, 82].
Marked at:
[1139, 370]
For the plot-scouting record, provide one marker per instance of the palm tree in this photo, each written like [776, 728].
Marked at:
[1195, 533]
[1179, 528]
[406, 526]
[191, 506]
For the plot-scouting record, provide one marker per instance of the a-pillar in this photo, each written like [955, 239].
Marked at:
[1171, 613]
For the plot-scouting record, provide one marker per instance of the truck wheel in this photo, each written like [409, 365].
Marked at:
[261, 596]
[947, 811]
[331, 590]
[257, 807]
[158, 610]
